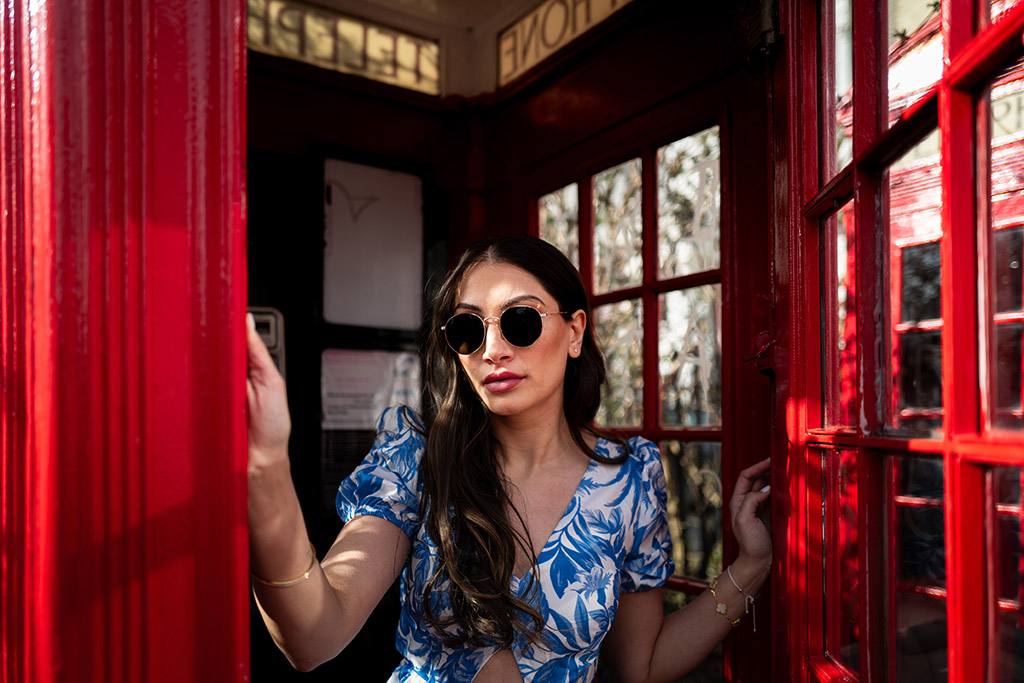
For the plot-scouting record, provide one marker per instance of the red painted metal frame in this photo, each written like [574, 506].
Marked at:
[795, 151]
[122, 294]
[968, 452]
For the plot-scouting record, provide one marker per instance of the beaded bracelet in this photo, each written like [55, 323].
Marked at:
[720, 606]
[291, 582]
[748, 600]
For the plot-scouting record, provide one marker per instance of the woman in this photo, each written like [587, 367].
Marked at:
[525, 540]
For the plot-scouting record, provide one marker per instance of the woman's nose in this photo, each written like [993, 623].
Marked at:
[495, 346]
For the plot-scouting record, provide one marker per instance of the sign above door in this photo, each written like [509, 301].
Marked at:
[545, 30]
[331, 40]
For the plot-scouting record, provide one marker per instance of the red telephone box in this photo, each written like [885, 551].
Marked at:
[867, 295]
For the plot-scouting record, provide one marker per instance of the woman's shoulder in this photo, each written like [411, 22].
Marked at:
[638, 450]
[399, 418]
[400, 430]
[642, 464]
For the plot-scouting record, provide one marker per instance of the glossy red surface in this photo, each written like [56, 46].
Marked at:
[123, 294]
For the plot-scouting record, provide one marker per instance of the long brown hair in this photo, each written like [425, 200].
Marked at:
[465, 504]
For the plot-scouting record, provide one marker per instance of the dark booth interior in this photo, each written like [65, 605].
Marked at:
[649, 74]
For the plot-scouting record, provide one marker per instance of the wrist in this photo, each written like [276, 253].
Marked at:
[268, 462]
[751, 573]
[272, 500]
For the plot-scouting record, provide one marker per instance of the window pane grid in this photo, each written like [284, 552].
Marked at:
[652, 252]
[923, 340]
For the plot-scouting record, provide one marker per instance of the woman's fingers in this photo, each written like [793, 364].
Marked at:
[745, 484]
[747, 476]
[752, 501]
[752, 536]
[269, 421]
[261, 365]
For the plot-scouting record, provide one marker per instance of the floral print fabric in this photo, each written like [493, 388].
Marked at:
[613, 538]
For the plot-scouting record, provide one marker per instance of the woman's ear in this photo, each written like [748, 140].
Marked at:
[577, 325]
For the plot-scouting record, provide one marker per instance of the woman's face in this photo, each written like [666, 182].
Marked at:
[511, 380]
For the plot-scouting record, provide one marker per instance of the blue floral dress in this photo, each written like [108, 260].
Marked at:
[612, 538]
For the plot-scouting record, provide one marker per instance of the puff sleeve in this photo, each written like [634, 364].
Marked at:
[386, 483]
[648, 561]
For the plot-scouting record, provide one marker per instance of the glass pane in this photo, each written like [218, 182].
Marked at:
[1009, 568]
[840, 328]
[1008, 557]
[921, 478]
[843, 74]
[693, 472]
[619, 329]
[1010, 646]
[1006, 257]
[920, 639]
[923, 559]
[618, 237]
[920, 283]
[690, 356]
[915, 308]
[1007, 376]
[843, 632]
[1006, 215]
[920, 382]
[1007, 485]
[920, 524]
[689, 204]
[998, 8]
[920, 563]
[915, 52]
[560, 221]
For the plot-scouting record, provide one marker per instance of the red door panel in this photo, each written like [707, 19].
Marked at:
[122, 272]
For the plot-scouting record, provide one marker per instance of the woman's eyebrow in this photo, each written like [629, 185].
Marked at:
[520, 299]
[508, 304]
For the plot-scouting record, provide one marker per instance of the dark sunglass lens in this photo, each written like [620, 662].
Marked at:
[521, 325]
[464, 332]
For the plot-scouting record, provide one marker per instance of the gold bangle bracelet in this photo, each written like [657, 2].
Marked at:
[292, 582]
[720, 606]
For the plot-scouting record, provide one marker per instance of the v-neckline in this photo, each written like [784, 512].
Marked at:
[569, 507]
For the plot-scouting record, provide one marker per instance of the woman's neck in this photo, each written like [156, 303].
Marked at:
[529, 443]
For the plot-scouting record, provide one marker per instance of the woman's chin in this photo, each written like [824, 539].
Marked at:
[502, 408]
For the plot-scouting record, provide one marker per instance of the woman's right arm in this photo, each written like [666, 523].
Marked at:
[314, 619]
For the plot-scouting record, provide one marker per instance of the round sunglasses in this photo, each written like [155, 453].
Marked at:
[520, 326]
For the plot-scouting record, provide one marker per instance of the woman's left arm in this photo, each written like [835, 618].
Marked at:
[642, 646]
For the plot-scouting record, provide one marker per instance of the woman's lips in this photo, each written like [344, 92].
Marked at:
[501, 381]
